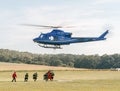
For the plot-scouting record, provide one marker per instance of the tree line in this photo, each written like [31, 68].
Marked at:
[66, 60]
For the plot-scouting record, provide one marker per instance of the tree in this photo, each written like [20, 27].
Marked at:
[106, 62]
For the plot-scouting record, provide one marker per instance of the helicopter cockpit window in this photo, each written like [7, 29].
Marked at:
[41, 36]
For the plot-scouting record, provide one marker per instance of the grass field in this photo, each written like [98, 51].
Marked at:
[65, 80]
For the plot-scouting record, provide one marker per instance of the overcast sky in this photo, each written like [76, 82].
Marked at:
[89, 18]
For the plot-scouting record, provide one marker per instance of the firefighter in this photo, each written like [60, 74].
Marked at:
[14, 76]
[26, 77]
[35, 75]
[49, 75]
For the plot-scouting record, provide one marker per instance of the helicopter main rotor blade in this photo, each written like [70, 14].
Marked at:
[45, 26]
[42, 26]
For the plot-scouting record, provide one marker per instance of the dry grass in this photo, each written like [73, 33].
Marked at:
[66, 79]
[15, 66]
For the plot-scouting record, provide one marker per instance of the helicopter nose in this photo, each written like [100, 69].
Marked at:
[35, 39]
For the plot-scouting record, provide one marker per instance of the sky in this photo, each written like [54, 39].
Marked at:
[90, 18]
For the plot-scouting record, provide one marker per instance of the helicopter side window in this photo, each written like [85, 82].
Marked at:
[51, 38]
[68, 36]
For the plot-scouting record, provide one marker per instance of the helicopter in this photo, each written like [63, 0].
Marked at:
[57, 37]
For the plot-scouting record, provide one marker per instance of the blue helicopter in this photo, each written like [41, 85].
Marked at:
[58, 37]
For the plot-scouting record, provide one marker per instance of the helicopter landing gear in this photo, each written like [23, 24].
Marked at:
[50, 46]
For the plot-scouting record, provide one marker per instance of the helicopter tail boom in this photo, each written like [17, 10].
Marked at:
[89, 39]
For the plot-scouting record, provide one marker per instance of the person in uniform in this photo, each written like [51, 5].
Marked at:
[26, 77]
[35, 75]
[49, 75]
[14, 76]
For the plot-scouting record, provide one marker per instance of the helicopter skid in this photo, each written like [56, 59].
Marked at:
[50, 46]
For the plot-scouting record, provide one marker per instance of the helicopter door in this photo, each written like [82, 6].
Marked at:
[55, 38]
